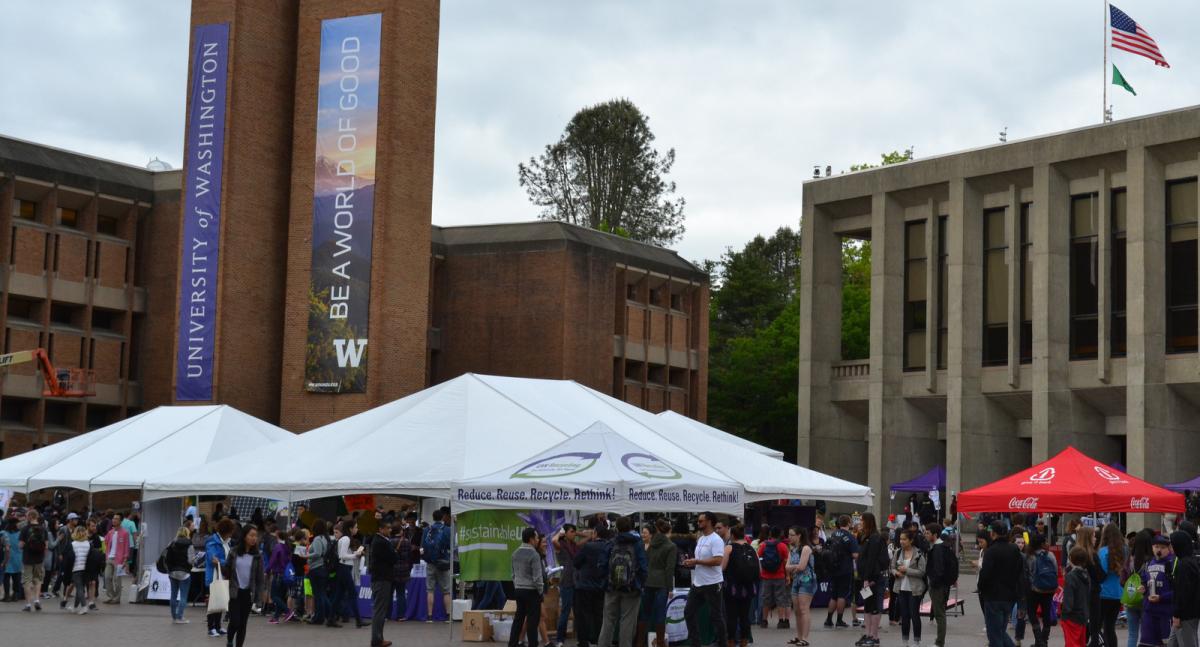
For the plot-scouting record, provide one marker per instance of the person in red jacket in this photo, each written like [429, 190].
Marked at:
[116, 562]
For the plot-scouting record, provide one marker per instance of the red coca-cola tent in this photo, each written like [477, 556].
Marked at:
[1070, 482]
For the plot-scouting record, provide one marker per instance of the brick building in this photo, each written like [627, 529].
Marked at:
[89, 270]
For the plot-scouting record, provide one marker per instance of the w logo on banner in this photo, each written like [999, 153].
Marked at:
[349, 351]
[1044, 475]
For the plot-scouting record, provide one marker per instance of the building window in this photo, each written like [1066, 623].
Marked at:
[1025, 343]
[1181, 266]
[943, 333]
[1116, 286]
[995, 288]
[631, 292]
[68, 217]
[1085, 252]
[106, 225]
[915, 259]
[25, 209]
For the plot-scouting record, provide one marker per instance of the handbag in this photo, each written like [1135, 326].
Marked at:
[218, 593]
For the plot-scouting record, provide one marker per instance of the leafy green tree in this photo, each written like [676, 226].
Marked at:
[856, 299]
[755, 284]
[604, 174]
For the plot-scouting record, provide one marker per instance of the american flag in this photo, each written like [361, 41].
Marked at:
[1129, 36]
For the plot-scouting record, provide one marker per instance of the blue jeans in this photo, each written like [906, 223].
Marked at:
[347, 592]
[566, 600]
[279, 595]
[1133, 619]
[995, 618]
[179, 596]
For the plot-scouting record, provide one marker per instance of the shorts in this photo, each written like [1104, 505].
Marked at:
[33, 574]
[842, 587]
[434, 578]
[802, 587]
[654, 607]
[775, 594]
[874, 604]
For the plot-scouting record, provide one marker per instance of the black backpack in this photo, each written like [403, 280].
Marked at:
[36, 544]
[161, 564]
[622, 568]
[743, 565]
[95, 562]
[331, 553]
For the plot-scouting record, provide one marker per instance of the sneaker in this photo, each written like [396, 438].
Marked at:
[428, 621]
[787, 623]
[256, 610]
[27, 608]
[829, 623]
[91, 606]
[841, 624]
[37, 605]
[291, 615]
[221, 632]
[62, 604]
[273, 621]
[82, 611]
[863, 640]
[212, 633]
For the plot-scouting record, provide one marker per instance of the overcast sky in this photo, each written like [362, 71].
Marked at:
[750, 94]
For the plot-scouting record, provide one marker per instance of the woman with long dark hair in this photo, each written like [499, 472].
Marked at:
[908, 583]
[243, 568]
[1140, 555]
[1085, 537]
[1111, 557]
[802, 569]
[873, 568]
[346, 583]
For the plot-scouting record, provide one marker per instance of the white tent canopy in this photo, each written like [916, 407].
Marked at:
[602, 471]
[475, 425]
[125, 454]
[679, 419]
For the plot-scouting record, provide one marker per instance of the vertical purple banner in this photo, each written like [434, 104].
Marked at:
[343, 205]
[205, 145]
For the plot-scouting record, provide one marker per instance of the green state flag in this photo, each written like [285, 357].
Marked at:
[1119, 79]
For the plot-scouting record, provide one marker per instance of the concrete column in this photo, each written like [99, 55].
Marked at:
[1103, 277]
[819, 443]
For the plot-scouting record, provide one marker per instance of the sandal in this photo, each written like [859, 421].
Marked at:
[796, 641]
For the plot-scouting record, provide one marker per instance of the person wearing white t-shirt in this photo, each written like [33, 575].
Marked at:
[706, 582]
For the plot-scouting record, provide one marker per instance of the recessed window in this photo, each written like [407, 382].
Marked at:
[107, 225]
[915, 268]
[1116, 286]
[21, 308]
[677, 301]
[995, 288]
[68, 217]
[1181, 266]
[1025, 343]
[1085, 270]
[631, 292]
[25, 209]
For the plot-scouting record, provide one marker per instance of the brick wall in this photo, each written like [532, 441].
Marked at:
[72, 256]
[106, 359]
[403, 203]
[111, 264]
[22, 339]
[29, 253]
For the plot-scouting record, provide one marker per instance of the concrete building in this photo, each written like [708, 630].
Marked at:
[1024, 297]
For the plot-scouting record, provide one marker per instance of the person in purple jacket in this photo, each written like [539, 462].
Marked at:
[1158, 594]
[277, 563]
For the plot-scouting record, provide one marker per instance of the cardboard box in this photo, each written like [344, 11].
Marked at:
[476, 628]
[510, 606]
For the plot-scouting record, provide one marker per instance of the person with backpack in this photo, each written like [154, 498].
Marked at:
[319, 566]
[661, 560]
[346, 600]
[1131, 599]
[773, 557]
[1112, 557]
[842, 550]
[176, 563]
[707, 582]
[1042, 569]
[627, 570]
[591, 571]
[527, 574]
[435, 549]
[942, 573]
[1158, 594]
[742, 570]
[13, 561]
[32, 542]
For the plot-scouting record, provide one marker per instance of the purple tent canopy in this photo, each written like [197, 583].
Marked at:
[1193, 484]
[934, 479]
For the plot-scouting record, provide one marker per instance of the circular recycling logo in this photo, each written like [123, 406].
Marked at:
[558, 466]
[650, 467]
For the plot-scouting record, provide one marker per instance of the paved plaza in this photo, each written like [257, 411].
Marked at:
[146, 625]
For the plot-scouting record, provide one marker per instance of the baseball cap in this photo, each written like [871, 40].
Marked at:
[71, 516]
[1159, 539]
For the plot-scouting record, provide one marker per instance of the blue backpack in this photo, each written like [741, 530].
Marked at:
[436, 553]
[1045, 573]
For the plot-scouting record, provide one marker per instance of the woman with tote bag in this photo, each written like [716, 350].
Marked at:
[216, 550]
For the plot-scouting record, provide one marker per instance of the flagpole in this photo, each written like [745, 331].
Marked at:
[1104, 72]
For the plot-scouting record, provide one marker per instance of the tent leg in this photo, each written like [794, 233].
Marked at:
[453, 597]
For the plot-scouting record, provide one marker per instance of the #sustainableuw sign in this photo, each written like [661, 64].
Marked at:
[343, 205]
[205, 139]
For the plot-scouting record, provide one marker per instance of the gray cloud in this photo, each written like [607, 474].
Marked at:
[751, 95]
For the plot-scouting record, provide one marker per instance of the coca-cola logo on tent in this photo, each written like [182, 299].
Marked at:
[1028, 503]
[1139, 503]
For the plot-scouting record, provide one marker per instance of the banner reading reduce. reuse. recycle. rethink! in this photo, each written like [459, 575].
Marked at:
[343, 205]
